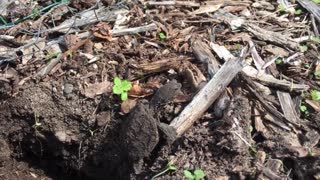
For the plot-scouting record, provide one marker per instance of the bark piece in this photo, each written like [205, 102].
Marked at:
[288, 107]
[207, 95]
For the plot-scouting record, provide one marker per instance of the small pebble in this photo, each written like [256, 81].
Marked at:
[67, 88]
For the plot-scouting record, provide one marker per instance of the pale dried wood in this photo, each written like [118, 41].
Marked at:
[281, 121]
[206, 9]
[203, 54]
[312, 7]
[260, 33]
[174, 3]
[288, 107]
[270, 36]
[86, 18]
[252, 72]
[207, 95]
[134, 30]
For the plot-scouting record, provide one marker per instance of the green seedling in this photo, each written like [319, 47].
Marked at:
[53, 55]
[36, 125]
[196, 175]
[317, 74]
[315, 95]
[315, 39]
[304, 110]
[238, 46]
[250, 129]
[306, 65]
[279, 61]
[162, 36]
[316, 1]
[303, 48]
[121, 88]
[298, 12]
[170, 167]
[92, 132]
[282, 8]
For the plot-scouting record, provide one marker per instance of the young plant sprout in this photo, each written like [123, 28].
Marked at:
[196, 175]
[121, 88]
[169, 167]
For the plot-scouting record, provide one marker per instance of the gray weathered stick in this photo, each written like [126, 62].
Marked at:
[207, 95]
[312, 7]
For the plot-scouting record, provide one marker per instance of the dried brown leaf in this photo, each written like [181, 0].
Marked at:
[128, 105]
[91, 90]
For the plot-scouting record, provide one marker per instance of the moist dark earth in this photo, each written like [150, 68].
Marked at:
[46, 135]
[69, 125]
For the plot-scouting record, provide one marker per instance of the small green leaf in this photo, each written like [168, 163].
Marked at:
[162, 36]
[117, 89]
[303, 108]
[250, 129]
[199, 174]
[316, 1]
[317, 73]
[172, 167]
[124, 96]
[282, 8]
[315, 39]
[188, 175]
[126, 85]
[303, 48]
[117, 81]
[278, 61]
[315, 95]
[238, 46]
[53, 55]
[298, 12]
[307, 65]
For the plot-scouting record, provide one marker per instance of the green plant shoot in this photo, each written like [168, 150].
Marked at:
[196, 175]
[121, 88]
[282, 8]
[315, 39]
[169, 167]
[298, 12]
[316, 1]
[162, 36]
[278, 61]
[315, 95]
[303, 48]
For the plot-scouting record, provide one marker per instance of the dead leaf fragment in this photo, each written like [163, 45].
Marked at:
[103, 31]
[128, 105]
[138, 91]
[206, 9]
[91, 90]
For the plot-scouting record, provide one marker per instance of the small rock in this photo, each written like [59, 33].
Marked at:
[67, 88]
[103, 118]
[61, 136]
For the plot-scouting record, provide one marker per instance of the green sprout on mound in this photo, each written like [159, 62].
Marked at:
[121, 88]
[162, 36]
[169, 167]
[196, 175]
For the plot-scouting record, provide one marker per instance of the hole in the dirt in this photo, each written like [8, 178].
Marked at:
[50, 166]
[259, 138]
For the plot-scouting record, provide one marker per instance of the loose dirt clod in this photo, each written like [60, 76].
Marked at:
[140, 131]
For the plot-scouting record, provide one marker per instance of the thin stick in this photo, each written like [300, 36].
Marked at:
[207, 95]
